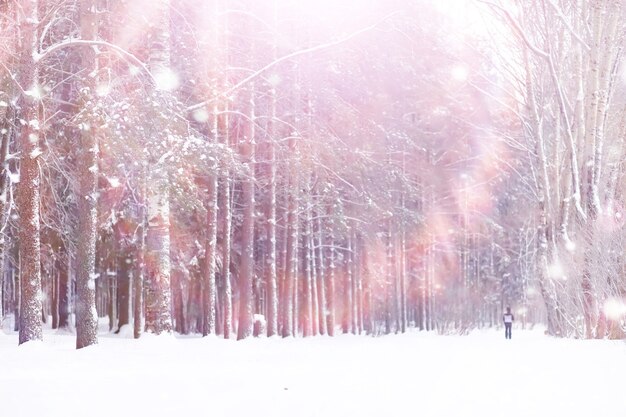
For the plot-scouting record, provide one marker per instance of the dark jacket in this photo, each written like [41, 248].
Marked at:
[508, 318]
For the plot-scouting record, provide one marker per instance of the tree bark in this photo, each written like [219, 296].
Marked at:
[124, 278]
[63, 268]
[140, 267]
[210, 296]
[29, 186]
[158, 263]
[226, 220]
[5, 136]
[86, 315]
[271, 277]
[246, 275]
[290, 260]
[330, 278]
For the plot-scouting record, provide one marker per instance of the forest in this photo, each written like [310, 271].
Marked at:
[247, 168]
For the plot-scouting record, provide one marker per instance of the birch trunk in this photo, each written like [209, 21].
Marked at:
[210, 289]
[158, 262]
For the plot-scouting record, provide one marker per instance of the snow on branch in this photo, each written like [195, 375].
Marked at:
[37, 57]
[295, 54]
[518, 29]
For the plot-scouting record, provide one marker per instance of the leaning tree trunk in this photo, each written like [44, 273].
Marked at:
[29, 185]
[86, 315]
[158, 262]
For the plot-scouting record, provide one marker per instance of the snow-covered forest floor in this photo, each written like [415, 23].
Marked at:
[416, 374]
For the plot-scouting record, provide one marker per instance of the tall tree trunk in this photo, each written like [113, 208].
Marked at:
[29, 186]
[290, 260]
[356, 283]
[178, 277]
[347, 285]
[124, 277]
[210, 289]
[158, 263]
[63, 268]
[391, 298]
[403, 271]
[310, 247]
[271, 273]
[5, 135]
[226, 220]
[321, 275]
[17, 290]
[246, 274]
[158, 268]
[366, 295]
[330, 279]
[86, 315]
[54, 295]
[140, 267]
[308, 273]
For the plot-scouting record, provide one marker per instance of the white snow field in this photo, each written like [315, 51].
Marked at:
[415, 374]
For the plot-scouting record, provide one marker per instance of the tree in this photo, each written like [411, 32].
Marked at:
[157, 301]
[29, 185]
[86, 314]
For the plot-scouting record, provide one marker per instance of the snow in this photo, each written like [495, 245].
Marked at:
[114, 182]
[614, 308]
[555, 270]
[201, 115]
[34, 92]
[400, 375]
[14, 177]
[166, 79]
[35, 153]
[459, 73]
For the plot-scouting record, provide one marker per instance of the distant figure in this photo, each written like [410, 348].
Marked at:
[508, 322]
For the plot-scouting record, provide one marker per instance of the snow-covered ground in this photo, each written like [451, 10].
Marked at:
[415, 374]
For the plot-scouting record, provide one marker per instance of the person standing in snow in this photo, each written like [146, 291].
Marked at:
[508, 322]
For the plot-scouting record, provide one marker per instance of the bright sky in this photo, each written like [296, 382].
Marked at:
[469, 15]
